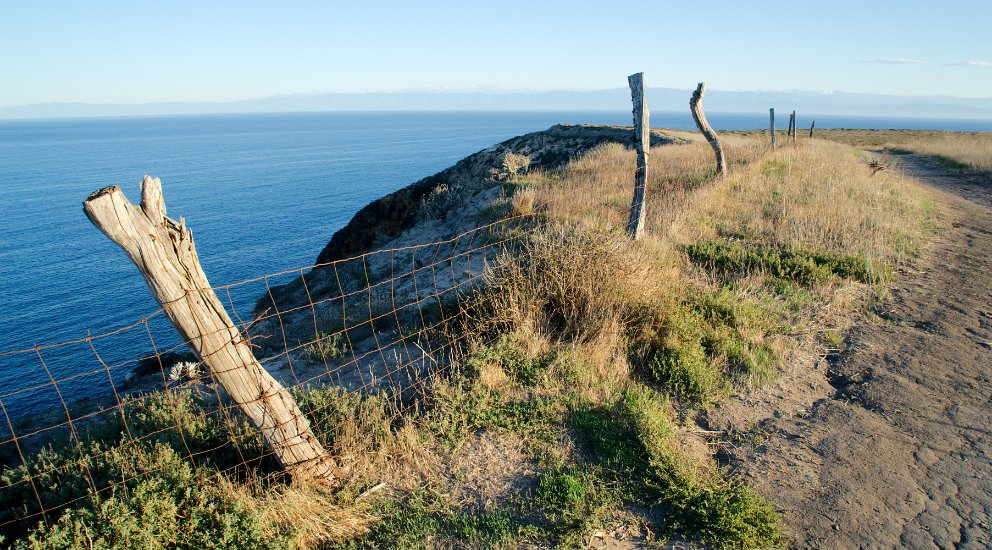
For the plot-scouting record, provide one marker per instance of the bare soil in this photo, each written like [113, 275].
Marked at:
[889, 442]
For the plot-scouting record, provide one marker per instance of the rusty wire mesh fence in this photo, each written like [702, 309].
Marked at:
[375, 324]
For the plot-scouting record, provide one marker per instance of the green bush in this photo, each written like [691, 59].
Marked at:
[335, 413]
[508, 355]
[678, 362]
[158, 500]
[793, 263]
[325, 348]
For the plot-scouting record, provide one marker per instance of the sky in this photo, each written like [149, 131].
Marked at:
[138, 52]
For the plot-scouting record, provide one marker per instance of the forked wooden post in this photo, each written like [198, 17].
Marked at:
[695, 105]
[771, 115]
[642, 140]
[164, 252]
[811, 126]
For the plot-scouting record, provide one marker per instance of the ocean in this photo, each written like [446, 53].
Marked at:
[262, 193]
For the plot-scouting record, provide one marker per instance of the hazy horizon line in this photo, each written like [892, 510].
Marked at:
[484, 90]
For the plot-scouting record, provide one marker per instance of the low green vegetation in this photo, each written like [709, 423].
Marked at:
[792, 263]
[325, 347]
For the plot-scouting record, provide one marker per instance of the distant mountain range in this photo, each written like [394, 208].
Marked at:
[618, 99]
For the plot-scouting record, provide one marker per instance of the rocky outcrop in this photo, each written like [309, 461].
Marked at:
[389, 216]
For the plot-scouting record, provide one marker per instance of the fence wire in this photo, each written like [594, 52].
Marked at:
[379, 324]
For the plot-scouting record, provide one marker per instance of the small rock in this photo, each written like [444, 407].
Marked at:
[987, 345]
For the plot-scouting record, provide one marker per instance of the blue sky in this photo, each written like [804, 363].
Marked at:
[136, 52]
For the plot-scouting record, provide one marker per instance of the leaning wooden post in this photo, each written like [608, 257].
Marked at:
[642, 140]
[771, 115]
[695, 105]
[164, 252]
[792, 126]
[811, 126]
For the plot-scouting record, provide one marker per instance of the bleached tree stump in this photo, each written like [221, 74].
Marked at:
[163, 251]
[695, 105]
[642, 140]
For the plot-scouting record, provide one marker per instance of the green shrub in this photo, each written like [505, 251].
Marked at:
[462, 407]
[708, 505]
[189, 423]
[678, 363]
[336, 414]
[158, 500]
[508, 355]
[325, 348]
[728, 514]
[422, 519]
[608, 442]
[793, 263]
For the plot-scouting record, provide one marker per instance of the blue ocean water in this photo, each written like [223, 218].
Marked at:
[262, 193]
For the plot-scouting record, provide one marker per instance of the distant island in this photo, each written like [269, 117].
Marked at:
[615, 99]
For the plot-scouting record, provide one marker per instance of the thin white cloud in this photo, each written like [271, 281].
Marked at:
[895, 61]
[970, 64]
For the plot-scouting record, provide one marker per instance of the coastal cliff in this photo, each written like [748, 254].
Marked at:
[388, 217]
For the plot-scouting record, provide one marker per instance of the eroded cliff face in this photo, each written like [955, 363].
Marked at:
[388, 217]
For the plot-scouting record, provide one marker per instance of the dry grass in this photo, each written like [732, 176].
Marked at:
[973, 151]
[967, 149]
[595, 190]
[820, 195]
[308, 517]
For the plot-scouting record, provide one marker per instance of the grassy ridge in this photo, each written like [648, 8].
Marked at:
[588, 356]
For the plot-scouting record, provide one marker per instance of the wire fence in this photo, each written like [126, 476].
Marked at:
[379, 324]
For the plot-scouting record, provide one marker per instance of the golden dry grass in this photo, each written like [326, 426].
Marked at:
[974, 150]
[595, 190]
[819, 195]
[969, 149]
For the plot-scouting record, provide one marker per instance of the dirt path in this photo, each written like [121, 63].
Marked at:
[900, 455]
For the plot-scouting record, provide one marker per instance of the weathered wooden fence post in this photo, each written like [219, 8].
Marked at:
[164, 252]
[771, 115]
[811, 126]
[695, 105]
[642, 140]
[795, 127]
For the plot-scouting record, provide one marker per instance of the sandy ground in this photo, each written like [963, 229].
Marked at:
[896, 450]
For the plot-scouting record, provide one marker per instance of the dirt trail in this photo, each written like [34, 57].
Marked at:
[900, 455]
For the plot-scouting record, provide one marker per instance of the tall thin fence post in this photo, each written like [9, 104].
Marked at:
[642, 140]
[811, 126]
[695, 105]
[164, 252]
[792, 127]
[771, 116]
